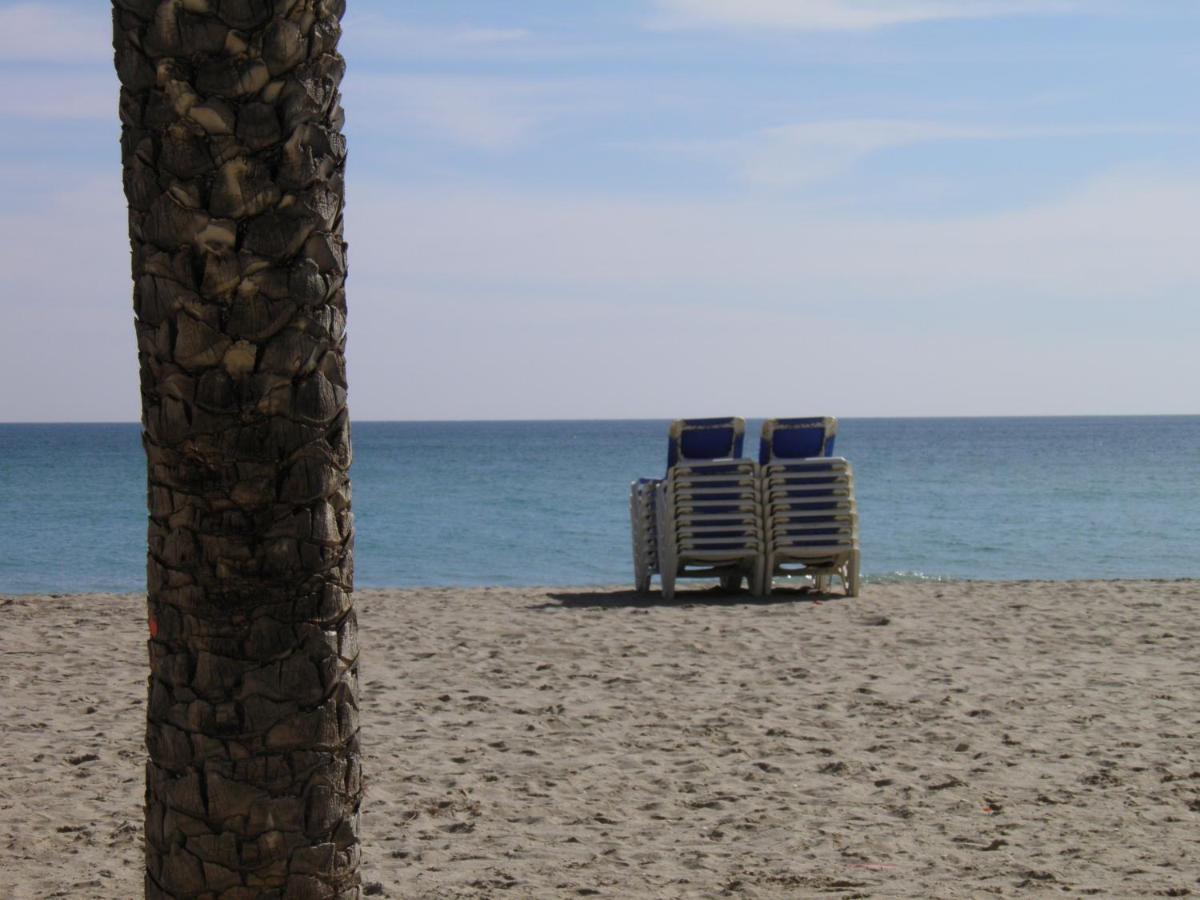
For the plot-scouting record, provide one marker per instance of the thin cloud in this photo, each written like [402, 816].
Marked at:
[36, 32]
[1121, 237]
[797, 155]
[84, 306]
[802, 154]
[943, 307]
[379, 36]
[68, 96]
[382, 40]
[840, 15]
[480, 113]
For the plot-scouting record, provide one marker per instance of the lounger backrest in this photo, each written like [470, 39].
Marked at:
[703, 439]
[797, 438]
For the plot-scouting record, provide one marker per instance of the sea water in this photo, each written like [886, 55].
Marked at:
[522, 503]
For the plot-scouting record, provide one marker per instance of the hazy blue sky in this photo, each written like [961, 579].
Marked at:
[626, 208]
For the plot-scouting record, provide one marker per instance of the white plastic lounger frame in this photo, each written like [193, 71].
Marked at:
[811, 521]
[643, 495]
[709, 520]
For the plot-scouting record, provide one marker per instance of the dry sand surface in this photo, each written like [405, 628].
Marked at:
[927, 740]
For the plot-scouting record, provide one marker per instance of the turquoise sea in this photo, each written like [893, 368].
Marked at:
[492, 503]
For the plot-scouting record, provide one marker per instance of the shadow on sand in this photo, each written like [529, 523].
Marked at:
[716, 596]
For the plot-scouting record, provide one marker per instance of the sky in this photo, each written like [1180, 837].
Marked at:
[665, 208]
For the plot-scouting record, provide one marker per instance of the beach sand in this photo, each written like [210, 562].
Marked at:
[924, 740]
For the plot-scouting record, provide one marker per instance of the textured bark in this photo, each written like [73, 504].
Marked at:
[233, 162]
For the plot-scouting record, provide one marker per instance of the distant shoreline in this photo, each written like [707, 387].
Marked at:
[698, 588]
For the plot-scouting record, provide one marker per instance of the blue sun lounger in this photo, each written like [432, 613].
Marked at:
[797, 438]
[704, 518]
[689, 441]
[810, 518]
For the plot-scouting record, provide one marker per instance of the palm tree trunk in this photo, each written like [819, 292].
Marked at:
[233, 162]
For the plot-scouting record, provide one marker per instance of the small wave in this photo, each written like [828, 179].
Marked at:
[905, 578]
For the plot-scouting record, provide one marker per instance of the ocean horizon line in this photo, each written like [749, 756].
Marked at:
[521, 421]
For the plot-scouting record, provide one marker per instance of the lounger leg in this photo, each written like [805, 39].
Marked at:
[760, 581]
[667, 562]
[852, 582]
[641, 574]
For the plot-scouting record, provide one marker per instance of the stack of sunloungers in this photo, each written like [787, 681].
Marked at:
[719, 515]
